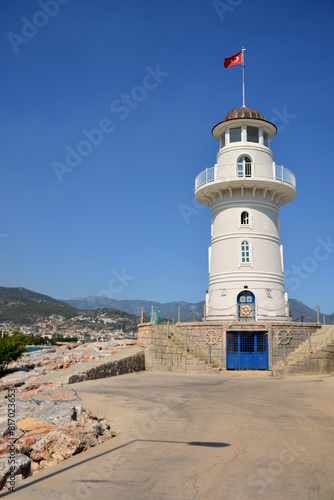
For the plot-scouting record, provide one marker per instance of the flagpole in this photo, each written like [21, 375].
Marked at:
[243, 77]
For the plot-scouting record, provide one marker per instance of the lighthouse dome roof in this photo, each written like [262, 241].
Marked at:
[244, 112]
[240, 116]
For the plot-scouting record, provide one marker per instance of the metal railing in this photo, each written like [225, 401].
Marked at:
[308, 346]
[203, 313]
[248, 171]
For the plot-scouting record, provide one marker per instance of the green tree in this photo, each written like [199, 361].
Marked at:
[27, 340]
[11, 348]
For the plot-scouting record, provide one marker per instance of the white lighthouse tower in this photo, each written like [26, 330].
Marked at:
[245, 190]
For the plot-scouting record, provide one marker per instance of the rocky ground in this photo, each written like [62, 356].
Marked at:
[50, 423]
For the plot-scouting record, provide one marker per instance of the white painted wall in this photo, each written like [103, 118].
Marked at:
[263, 276]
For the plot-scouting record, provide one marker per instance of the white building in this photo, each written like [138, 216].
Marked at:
[245, 190]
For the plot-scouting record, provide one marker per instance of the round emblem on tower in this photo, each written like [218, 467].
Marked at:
[245, 311]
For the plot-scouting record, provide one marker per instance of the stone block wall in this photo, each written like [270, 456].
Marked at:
[288, 333]
[164, 354]
[295, 334]
[130, 364]
[207, 331]
[320, 361]
[202, 333]
[160, 354]
[144, 335]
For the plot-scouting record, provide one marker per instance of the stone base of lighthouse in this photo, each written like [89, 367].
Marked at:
[233, 345]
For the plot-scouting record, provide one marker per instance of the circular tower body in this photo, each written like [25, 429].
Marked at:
[245, 190]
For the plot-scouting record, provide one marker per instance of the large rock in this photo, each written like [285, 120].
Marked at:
[21, 466]
[48, 402]
[15, 379]
[28, 424]
[31, 436]
[50, 424]
[28, 432]
[48, 392]
[65, 441]
[7, 438]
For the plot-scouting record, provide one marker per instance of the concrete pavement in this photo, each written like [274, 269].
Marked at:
[236, 437]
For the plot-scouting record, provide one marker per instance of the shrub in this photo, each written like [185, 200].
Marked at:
[11, 348]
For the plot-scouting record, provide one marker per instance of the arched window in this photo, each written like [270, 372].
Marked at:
[245, 252]
[244, 167]
[245, 218]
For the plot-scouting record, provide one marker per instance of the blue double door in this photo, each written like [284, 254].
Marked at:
[247, 351]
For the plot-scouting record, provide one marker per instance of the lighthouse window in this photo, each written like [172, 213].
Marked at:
[235, 134]
[252, 134]
[265, 139]
[222, 141]
[244, 167]
[245, 218]
[245, 252]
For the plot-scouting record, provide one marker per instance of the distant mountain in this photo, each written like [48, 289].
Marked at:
[24, 307]
[302, 312]
[188, 310]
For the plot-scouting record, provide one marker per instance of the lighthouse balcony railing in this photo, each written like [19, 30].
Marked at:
[255, 171]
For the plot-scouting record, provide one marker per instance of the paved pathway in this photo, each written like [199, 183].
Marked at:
[203, 437]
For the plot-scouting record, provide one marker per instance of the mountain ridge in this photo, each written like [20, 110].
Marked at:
[188, 309]
[25, 307]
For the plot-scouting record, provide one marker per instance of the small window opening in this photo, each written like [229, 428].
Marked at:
[245, 218]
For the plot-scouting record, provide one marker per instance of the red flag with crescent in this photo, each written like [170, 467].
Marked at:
[233, 60]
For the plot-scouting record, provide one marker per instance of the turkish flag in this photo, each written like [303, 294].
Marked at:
[231, 61]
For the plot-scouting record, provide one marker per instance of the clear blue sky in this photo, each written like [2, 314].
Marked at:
[117, 213]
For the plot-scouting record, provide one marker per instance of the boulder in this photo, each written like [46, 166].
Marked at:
[28, 431]
[25, 443]
[48, 402]
[22, 466]
[27, 424]
[48, 392]
[65, 441]
[31, 383]
[15, 379]
[7, 438]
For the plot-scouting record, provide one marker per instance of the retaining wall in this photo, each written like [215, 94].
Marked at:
[163, 354]
[130, 364]
[320, 361]
[288, 334]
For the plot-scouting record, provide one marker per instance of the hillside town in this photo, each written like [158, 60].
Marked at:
[99, 327]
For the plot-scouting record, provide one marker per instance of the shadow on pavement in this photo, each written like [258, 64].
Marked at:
[37, 480]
